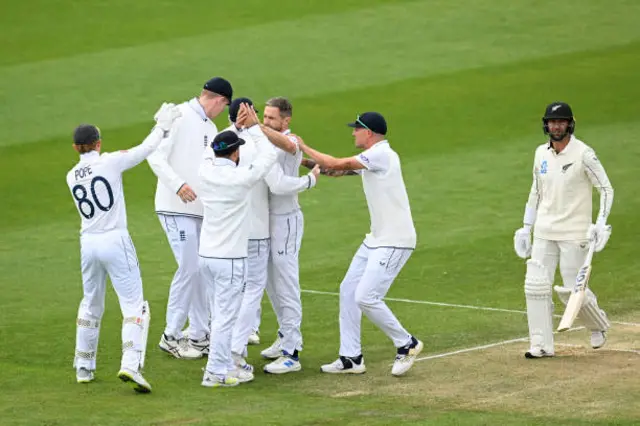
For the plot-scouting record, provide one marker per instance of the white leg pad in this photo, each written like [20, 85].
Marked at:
[591, 316]
[537, 289]
[87, 333]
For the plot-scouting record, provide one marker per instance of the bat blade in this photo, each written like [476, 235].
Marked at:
[576, 299]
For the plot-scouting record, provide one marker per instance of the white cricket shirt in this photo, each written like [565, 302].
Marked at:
[286, 203]
[96, 185]
[225, 192]
[178, 157]
[391, 220]
[562, 191]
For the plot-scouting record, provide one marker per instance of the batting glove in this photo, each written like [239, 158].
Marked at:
[166, 115]
[522, 242]
[600, 233]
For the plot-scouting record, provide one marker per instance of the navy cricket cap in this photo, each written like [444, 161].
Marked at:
[371, 121]
[234, 107]
[226, 142]
[220, 86]
[86, 134]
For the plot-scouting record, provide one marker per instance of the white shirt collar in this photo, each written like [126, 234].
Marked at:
[195, 105]
[89, 155]
[286, 132]
[221, 161]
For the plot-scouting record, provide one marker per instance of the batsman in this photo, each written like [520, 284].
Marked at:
[559, 210]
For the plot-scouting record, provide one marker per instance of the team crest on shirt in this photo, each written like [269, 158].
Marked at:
[543, 167]
[364, 158]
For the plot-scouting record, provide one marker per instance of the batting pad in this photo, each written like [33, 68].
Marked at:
[537, 290]
[87, 333]
[591, 316]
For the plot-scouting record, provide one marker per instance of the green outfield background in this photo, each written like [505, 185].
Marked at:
[463, 86]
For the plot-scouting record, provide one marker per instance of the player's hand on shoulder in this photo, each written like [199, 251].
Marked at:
[600, 233]
[166, 115]
[187, 194]
[522, 242]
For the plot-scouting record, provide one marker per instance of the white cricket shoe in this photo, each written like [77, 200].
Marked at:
[598, 339]
[345, 365]
[84, 375]
[179, 348]
[241, 374]
[406, 357]
[284, 364]
[211, 380]
[537, 352]
[273, 351]
[138, 382]
[254, 338]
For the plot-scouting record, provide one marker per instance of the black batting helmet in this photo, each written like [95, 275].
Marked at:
[558, 111]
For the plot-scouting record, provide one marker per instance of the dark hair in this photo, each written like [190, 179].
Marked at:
[283, 105]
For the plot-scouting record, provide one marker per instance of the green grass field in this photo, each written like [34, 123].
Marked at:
[463, 86]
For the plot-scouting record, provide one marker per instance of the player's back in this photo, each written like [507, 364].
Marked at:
[96, 187]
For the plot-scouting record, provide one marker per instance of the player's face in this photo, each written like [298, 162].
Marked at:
[214, 106]
[558, 129]
[360, 136]
[272, 118]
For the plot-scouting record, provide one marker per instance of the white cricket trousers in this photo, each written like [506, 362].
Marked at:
[283, 288]
[187, 294]
[370, 275]
[109, 253]
[225, 280]
[257, 263]
[570, 255]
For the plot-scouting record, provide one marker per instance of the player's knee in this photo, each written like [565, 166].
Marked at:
[365, 300]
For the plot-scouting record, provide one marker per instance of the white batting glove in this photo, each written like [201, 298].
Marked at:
[600, 233]
[522, 242]
[166, 115]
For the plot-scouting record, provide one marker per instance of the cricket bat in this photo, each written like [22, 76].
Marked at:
[576, 300]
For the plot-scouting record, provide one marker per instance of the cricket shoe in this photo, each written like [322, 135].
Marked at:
[284, 364]
[254, 338]
[211, 380]
[273, 351]
[345, 365]
[179, 348]
[241, 363]
[84, 375]
[537, 352]
[201, 345]
[241, 374]
[598, 339]
[134, 378]
[406, 356]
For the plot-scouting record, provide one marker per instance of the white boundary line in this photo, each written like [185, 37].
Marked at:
[453, 305]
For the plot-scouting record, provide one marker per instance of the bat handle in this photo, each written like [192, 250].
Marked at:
[592, 249]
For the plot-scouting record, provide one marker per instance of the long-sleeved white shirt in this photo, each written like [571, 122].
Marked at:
[275, 182]
[285, 203]
[387, 199]
[225, 191]
[562, 188]
[178, 157]
[96, 185]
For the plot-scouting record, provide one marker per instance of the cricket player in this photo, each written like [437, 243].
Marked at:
[385, 250]
[226, 195]
[559, 210]
[286, 228]
[106, 248]
[176, 163]
[275, 182]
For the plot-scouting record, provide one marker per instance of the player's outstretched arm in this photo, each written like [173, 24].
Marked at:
[281, 184]
[310, 164]
[326, 161]
[287, 143]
